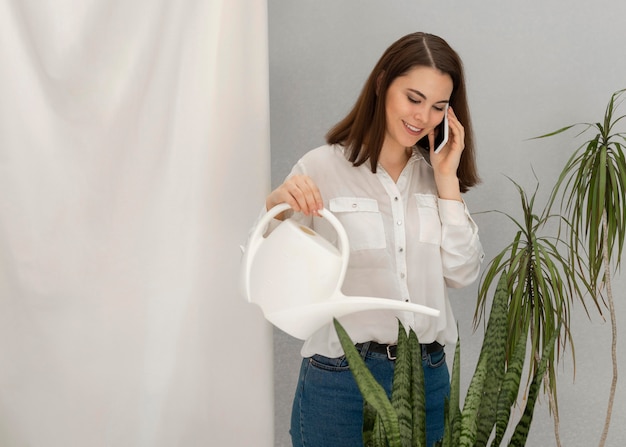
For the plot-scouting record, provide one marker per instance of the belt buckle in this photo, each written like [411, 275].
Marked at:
[390, 356]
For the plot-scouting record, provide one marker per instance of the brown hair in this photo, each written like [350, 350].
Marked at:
[362, 131]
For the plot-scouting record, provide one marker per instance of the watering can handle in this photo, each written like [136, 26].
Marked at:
[344, 245]
[256, 237]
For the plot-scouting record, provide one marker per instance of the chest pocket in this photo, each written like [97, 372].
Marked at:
[429, 222]
[361, 220]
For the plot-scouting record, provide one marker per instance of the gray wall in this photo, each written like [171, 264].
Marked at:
[532, 66]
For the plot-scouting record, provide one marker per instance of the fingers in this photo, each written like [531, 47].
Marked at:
[446, 162]
[303, 195]
[300, 192]
[431, 141]
[456, 142]
[457, 131]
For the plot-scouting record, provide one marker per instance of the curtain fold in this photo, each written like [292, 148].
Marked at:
[125, 191]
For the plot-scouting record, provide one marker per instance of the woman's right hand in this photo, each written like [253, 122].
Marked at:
[300, 192]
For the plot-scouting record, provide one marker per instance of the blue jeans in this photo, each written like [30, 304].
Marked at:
[328, 407]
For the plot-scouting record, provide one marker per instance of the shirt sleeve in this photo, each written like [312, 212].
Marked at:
[461, 251]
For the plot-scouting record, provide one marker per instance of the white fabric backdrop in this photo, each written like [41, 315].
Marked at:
[133, 156]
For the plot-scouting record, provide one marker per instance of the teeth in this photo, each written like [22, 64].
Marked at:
[412, 128]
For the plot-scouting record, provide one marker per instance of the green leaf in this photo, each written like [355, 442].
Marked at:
[493, 350]
[518, 439]
[369, 423]
[454, 411]
[417, 392]
[510, 390]
[556, 132]
[479, 398]
[469, 415]
[370, 389]
[543, 283]
[401, 394]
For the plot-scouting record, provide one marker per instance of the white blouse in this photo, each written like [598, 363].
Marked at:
[405, 244]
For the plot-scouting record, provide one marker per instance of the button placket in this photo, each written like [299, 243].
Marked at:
[400, 239]
[399, 232]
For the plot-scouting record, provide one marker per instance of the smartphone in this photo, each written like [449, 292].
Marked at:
[442, 135]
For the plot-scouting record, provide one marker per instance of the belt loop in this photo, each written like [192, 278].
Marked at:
[364, 348]
[424, 352]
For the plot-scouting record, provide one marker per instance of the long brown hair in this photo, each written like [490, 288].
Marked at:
[362, 131]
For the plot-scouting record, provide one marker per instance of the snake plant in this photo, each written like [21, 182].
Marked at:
[493, 391]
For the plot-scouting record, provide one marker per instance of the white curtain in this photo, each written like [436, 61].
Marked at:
[133, 157]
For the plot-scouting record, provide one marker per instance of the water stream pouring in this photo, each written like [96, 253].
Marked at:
[295, 276]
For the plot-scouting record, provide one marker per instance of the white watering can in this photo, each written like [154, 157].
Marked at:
[295, 276]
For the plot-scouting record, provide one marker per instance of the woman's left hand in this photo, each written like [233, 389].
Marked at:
[446, 162]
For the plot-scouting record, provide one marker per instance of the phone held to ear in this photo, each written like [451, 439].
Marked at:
[442, 135]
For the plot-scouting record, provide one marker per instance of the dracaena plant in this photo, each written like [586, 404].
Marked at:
[494, 388]
[542, 285]
[591, 194]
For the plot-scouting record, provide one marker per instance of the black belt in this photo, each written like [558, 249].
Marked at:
[390, 350]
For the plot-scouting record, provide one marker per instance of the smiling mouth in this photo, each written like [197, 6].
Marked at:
[412, 129]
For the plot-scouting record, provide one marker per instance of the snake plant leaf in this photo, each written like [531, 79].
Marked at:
[401, 392]
[369, 423]
[418, 438]
[378, 434]
[469, 415]
[373, 431]
[494, 350]
[453, 415]
[518, 439]
[370, 389]
[478, 389]
[510, 390]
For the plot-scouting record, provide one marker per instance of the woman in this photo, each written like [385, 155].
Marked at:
[410, 233]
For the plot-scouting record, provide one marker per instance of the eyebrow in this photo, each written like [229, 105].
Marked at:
[417, 92]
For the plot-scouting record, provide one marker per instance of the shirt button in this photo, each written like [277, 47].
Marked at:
[395, 198]
[354, 205]
[401, 249]
[402, 275]
[399, 222]
[407, 300]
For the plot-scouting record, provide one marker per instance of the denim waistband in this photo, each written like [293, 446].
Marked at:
[391, 349]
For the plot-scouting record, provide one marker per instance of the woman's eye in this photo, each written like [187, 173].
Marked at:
[440, 109]
[413, 100]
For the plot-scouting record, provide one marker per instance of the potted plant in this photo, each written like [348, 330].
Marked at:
[592, 193]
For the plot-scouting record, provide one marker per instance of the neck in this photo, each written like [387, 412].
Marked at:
[394, 161]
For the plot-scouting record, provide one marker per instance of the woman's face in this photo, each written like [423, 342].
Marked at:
[415, 105]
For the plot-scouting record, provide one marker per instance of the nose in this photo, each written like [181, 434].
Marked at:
[422, 115]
